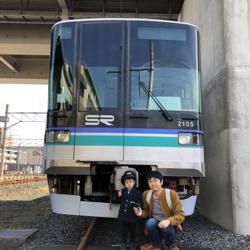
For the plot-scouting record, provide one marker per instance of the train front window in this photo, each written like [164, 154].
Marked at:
[61, 68]
[100, 66]
[164, 59]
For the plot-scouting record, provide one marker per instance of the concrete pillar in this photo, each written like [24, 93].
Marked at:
[236, 19]
[225, 59]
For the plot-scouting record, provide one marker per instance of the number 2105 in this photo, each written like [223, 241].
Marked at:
[187, 124]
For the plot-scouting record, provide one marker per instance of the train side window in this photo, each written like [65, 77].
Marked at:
[61, 77]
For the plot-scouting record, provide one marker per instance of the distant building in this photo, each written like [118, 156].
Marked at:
[11, 156]
[30, 159]
[24, 159]
[30, 155]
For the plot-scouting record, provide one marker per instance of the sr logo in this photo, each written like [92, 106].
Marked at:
[95, 120]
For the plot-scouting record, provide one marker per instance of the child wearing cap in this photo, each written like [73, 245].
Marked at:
[130, 198]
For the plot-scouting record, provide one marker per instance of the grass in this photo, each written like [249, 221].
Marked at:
[23, 214]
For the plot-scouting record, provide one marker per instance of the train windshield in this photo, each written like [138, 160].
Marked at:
[100, 66]
[164, 59]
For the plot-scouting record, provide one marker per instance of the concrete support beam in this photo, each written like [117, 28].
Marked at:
[24, 49]
[31, 71]
[76, 15]
[32, 14]
[25, 28]
[24, 39]
[65, 12]
[9, 63]
[12, 80]
[165, 16]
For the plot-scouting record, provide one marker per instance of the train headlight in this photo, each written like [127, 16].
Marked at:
[190, 139]
[61, 136]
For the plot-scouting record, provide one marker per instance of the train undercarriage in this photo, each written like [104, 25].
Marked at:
[103, 182]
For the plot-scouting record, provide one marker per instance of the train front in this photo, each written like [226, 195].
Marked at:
[123, 94]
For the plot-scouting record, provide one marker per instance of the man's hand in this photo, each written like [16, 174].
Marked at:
[164, 223]
[137, 211]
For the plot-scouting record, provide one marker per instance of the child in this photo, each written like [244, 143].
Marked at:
[130, 198]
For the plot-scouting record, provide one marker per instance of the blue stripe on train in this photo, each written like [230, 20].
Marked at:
[127, 130]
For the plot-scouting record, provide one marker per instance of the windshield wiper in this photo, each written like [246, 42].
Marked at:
[164, 112]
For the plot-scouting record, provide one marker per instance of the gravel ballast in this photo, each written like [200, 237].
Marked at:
[198, 233]
[27, 206]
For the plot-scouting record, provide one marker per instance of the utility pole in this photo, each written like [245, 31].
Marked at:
[4, 141]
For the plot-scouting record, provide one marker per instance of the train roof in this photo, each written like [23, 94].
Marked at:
[123, 19]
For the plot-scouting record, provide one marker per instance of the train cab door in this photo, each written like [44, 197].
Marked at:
[100, 91]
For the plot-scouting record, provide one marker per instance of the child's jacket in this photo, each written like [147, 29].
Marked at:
[126, 212]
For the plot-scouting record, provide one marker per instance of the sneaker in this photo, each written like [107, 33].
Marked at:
[164, 248]
[174, 248]
[147, 246]
[123, 247]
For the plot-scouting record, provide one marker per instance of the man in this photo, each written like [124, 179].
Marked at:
[163, 222]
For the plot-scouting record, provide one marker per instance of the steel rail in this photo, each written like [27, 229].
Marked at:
[84, 240]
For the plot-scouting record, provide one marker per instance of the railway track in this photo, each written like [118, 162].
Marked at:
[87, 243]
[19, 179]
[84, 240]
[103, 234]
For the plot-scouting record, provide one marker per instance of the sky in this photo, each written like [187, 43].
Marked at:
[24, 98]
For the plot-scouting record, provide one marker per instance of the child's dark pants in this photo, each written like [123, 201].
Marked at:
[128, 228]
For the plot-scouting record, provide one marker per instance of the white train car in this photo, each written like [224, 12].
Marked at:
[123, 93]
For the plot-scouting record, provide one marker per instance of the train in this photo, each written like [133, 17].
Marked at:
[124, 94]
